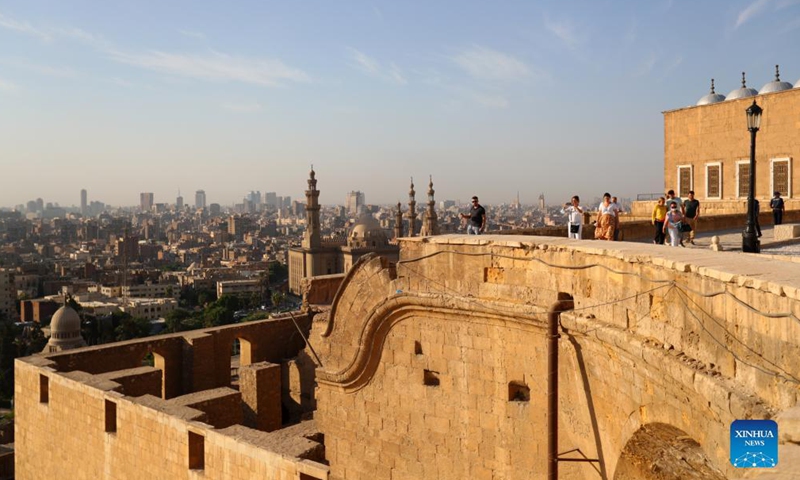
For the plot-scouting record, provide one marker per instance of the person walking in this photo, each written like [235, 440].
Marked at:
[776, 204]
[574, 213]
[476, 218]
[606, 221]
[691, 212]
[757, 208]
[659, 214]
[672, 198]
[673, 223]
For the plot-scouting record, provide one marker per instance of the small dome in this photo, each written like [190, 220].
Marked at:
[712, 97]
[367, 232]
[65, 320]
[797, 84]
[742, 92]
[65, 331]
[775, 85]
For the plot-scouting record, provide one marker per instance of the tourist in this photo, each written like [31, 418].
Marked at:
[606, 219]
[691, 210]
[674, 223]
[476, 218]
[574, 214]
[757, 208]
[672, 198]
[776, 204]
[659, 214]
[617, 211]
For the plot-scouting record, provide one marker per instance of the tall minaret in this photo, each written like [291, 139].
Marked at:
[311, 238]
[412, 211]
[430, 224]
[398, 221]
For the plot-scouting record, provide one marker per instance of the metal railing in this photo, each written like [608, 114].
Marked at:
[640, 197]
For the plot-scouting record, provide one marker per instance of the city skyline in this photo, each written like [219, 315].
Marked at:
[547, 98]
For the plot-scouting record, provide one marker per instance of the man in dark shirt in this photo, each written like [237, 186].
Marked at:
[691, 211]
[477, 218]
[776, 204]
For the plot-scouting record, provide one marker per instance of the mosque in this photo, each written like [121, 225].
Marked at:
[65, 331]
[317, 256]
[707, 146]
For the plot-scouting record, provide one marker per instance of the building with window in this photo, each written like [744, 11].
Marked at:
[707, 147]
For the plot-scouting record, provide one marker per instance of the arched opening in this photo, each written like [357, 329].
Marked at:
[658, 451]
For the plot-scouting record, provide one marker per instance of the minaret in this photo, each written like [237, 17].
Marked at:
[311, 237]
[398, 222]
[430, 224]
[412, 211]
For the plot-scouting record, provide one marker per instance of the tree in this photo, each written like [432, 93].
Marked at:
[179, 320]
[277, 298]
[278, 272]
[132, 327]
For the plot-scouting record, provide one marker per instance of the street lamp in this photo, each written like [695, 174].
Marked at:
[750, 241]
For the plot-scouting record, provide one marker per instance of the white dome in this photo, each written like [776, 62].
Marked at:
[776, 85]
[712, 97]
[367, 232]
[743, 91]
[65, 331]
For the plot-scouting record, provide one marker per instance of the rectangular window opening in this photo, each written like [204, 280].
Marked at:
[684, 181]
[431, 378]
[518, 392]
[44, 389]
[417, 348]
[197, 460]
[744, 179]
[714, 178]
[111, 417]
[780, 177]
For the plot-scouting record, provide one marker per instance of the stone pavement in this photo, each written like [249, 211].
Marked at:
[731, 240]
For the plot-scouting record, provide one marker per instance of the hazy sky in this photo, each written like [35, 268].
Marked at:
[490, 97]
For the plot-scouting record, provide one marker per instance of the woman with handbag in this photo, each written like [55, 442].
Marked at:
[574, 214]
[674, 224]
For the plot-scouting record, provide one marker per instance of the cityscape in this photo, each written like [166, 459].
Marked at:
[381, 241]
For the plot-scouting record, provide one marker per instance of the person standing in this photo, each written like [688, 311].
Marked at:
[606, 221]
[659, 214]
[574, 218]
[476, 218]
[776, 204]
[673, 222]
[672, 198]
[617, 211]
[691, 212]
[757, 208]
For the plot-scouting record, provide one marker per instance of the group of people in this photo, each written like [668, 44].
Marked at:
[671, 216]
[676, 217]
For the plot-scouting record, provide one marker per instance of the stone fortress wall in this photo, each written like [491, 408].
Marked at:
[435, 367]
[97, 412]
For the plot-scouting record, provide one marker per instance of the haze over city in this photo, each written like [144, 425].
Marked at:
[490, 98]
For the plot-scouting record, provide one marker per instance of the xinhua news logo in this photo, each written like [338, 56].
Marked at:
[754, 443]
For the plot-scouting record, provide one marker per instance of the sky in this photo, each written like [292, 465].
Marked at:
[490, 98]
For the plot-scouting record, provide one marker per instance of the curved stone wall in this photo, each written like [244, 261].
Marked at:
[426, 363]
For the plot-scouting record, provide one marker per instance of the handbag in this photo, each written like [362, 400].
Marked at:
[574, 228]
[685, 227]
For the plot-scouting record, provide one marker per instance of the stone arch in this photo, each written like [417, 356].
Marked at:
[659, 451]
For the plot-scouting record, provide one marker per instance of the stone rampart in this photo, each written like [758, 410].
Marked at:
[435, 367]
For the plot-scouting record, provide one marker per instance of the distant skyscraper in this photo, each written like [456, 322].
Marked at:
[353, 201]
[179, 202]
[271, 199]
[84, 202]
[255, 199]
[200, 199]
[39, 205]
[146, 201]
[541, 202]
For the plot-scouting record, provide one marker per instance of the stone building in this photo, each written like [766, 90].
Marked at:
[434, 367]
[707, 147]
[318, 256]
[8, 294]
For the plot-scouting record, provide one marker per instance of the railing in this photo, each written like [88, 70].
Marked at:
[648, 196]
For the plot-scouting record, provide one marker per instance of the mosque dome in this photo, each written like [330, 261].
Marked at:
[65, 330]
[775, 85]
[712, 97]
[797, 85]
[742, 92]
[367, 232]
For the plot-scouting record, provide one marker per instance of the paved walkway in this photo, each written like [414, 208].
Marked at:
[731, 240]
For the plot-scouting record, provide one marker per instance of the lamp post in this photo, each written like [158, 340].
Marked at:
[750, 241]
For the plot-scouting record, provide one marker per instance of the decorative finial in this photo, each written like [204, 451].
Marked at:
[744, 84]
[712, 86]
[777, 73]
[431, 181]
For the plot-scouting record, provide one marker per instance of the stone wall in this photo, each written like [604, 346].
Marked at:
[85, 425]
[435, 368]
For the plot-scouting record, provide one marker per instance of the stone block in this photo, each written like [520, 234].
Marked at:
[787, 231]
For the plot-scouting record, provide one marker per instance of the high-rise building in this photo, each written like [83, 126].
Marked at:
[541, 202]
[255, 199]
[179, 202]
[8, 294]
[146, 201]
[271, 199]
[200, 199]
[84, 202]
[353, 201]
